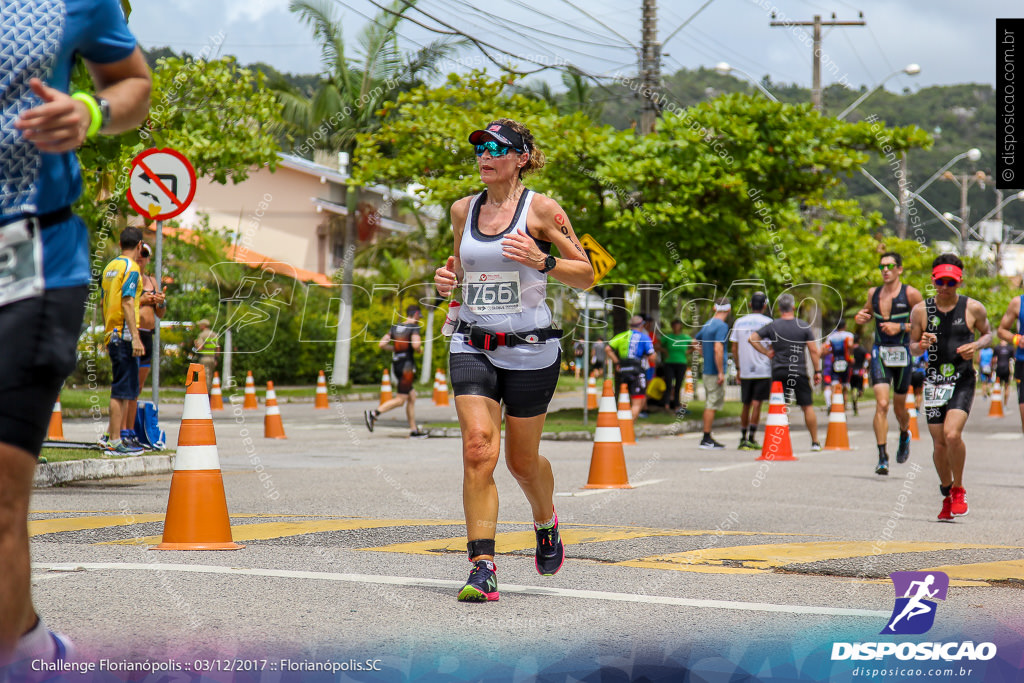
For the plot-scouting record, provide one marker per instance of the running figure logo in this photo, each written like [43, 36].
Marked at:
[913, 613]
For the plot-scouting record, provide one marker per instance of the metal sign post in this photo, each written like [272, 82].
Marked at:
[158, 274]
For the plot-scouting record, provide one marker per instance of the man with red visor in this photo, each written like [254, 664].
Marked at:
[944, 327]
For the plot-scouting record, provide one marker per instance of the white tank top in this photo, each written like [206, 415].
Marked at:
[483, 262]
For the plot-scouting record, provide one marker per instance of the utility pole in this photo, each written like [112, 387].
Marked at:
[650, 67]
[817, 23]
[904, 197]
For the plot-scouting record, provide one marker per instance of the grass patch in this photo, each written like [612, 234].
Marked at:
[67, 454]
[571, 419]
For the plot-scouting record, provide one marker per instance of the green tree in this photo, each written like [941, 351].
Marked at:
[350, 93]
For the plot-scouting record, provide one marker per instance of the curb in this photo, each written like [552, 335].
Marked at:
[56, 473]
[685, 427]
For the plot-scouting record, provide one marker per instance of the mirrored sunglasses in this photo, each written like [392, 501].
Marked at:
[496, 149]
[945, 282]
[887, 266]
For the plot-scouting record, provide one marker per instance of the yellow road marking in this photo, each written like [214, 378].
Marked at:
[38, 527]
[1005, 570]
[571, 534]
[268, 530]
[767, 556]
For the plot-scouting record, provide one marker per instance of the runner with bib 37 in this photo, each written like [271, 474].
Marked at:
[944, 327]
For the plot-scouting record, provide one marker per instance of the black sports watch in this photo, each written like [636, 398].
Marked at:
[549, 263]
[105, 111]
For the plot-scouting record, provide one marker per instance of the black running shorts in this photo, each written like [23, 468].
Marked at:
[39, 338]
[755, 389]
[881, 374]
[404, 373]
[962, 399]
[525, 393]
[796, 387]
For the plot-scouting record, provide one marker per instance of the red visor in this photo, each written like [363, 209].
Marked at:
[947, 270]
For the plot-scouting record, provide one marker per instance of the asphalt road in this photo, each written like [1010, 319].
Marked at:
[713, 563]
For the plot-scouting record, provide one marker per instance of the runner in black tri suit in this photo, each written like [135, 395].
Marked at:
[403, 340]
[890, 306]
[1011, 329]
[944, 327]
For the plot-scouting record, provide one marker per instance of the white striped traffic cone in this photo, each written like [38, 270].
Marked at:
[250, 402]
[626, 416]
[273, 428]
[592, 393]
[197, 509]
[777, 445]
[837, 438]
[607, 460]
[320, 402]
[216, 396]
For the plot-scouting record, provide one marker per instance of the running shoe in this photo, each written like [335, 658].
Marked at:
[418, 434]
[104, 441]
[482, 585]
[370, 416]
[753, 445]
[946, 514]
[710, 444]
[744, 445]
[903, 451]
[550, 551]
[882, 467]
[958, 501]
[815, 446]
[119, 449]
[132, 441]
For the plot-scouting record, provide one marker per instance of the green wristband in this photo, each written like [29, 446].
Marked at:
[94, 111]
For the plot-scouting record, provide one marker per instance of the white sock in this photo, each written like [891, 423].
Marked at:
[36, 644]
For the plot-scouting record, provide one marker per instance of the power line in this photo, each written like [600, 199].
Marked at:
[598, 21]
[561, 22]
[688, 20]
[512, 28]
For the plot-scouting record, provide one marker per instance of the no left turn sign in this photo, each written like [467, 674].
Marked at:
[162, 185]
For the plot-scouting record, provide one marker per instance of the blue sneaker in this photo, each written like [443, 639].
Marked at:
[119, 449]
[903, 451]
[550, 550]
[482, 585]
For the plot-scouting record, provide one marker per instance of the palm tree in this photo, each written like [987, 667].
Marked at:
[350, 94]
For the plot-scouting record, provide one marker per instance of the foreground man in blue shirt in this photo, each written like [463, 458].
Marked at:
[44, 252]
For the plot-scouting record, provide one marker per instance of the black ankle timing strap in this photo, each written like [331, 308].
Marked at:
[481, 546]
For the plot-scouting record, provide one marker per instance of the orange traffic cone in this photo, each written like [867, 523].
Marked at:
[995, 404]
[592, 394]
[273, 428]
[216, 397]
[442, 388]
[626, 416]
[607, 461]
[321, 392]
[197, 509]
[837, 438]
[56, 432]
[688, 391]
[777, 445]
[385, 387]
[250, 393]
[437, 383]
[915, 434]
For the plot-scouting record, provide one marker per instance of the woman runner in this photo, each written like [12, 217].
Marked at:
[504, 349]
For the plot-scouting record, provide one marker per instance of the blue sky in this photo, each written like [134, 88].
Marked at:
[953, 42]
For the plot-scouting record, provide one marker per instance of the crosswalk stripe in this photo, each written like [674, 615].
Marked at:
[268, 530]
[527, 540]
[753, 558]
[38, 527]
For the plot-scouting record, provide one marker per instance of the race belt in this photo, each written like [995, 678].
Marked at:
[488, 341]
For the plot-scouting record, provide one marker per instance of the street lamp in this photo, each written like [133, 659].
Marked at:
[909, 69]
[973, 154]
[725, 68]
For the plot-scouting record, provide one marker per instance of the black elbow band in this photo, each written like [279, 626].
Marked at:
[482, 546]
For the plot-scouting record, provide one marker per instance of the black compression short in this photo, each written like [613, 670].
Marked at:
[525, 393]
[962, 399]
[39, 338]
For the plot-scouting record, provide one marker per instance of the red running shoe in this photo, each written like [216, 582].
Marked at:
[945, 515]
[959, 504]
